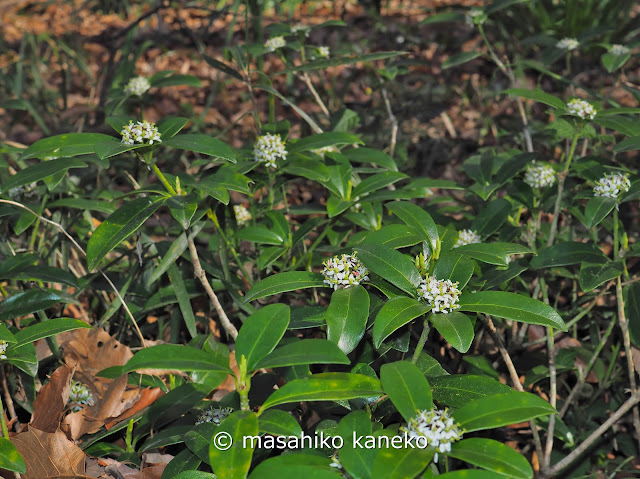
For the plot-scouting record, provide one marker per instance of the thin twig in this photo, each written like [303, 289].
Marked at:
[394, 123]
[7, 395]
[323, 107]
[202, 277]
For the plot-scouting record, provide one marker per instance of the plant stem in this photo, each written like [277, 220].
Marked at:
[5, 429]
[561, 179]
[421, 342]
[163, 179]
[553, 386]
[214, 219]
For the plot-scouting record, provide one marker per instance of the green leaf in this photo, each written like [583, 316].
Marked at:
[355, 459]
[391, 265]
[492, 456]
[40, 171]
[453, 266]
[65, 146]
[261, 332]
[342, 60]
[42, 273]
[492, 217]
[418, 219]
[444, 17]
[223, 67]
[234, 462]
[394, 236]
[273, 468]
[47, 328]
[371, 156]
[306, 351]
[279, 423]
[183, 466]
[614, 62]
[107, 149]
[593, 275]
[198, 439]
[501, 410]
[400, 463]
[407, 388]
[537, 95]
[456, 328]
[282, 282]
[347, 317]
[173, 80]
[394, 314]
[321, 140]
[313, 170]
[456, 390]
[486, 252]
[227, 178]
[6, 335]
[170, 126]
[597, 209]
[118, 226]
[184, 301]
[202, 144]
[30, 301]
[259, 234]
[568, 253]
[498, 5]
[468, 474]
[174, 357]
[325, 387]
[83, 204]
[376, 182]
[461, 58]
[512, 306]
[10, 458]
[628, 144]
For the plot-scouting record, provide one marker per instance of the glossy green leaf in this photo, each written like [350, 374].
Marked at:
[282, 282]
[108, 149]
[468, 474]
[453, 266]
[537, 95]
[593, 275]
[614, 62]
[628, 144]
[31, 301]
[306, 351]
[173, 80]
[83, 204]
[407, 388]
[321, 140]
[370, 156]
[418, 219]
[340, 60]
[10, 458]
[259, 234]
[65, 146]
[170, 126]
[444, 17]
[183, 466]
[456, 390]
[492, 456]
[376, 182]
[356, 459]
[313, 170]
[456, 328]
[400, 463]
[47, 328]
[198, 439]
[118, 226]
[486, 252]
[40, 171]
[393, 266]
[6, 335]
[461, 58]
[394, 314]
[279, 423]
[491, 217]
[261, 332]
[598, 209]
[273, 468]
[501, 410]
[394, 236]
[174, 357]
[226, 177]
[568, 253]
[325, 387]
[347, 317]
[234, 462]
[204, 144]
[184, 301]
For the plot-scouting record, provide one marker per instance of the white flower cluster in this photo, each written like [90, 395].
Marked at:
[618, 50]
[80, 396]
[242, 214]
[24, 193]
[323, 52]
[137, 86]
[612, 184]
[215, 415]
[568, 44]
[142, 132]
[3, 349]
[269, 148]
[467, 237]
[539, 176]
[299, 27]
[274, 43]
[442, 294]
[325, 149]
[470, 17]
[581, 108]
[437, 428]
[344, 270]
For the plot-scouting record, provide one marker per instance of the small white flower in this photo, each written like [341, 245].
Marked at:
[473, 16]
[215, 415]
[467, 237]
[581, 108]
[137, 86]
[568, 44]
[442, 294]
[80, 396]
[324, 149]
[242, 214]
[140, 132]
[539, 176]
[3, 349]
[274, 43]
[24, 193]
[335, 462]
[437, 428]
[270, 148]
[344, 270]
[618, 50]
[299, 27]
[323, 52]
[612, 184]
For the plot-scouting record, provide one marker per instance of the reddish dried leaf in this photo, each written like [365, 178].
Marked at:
[51, 401]
[48, 455]
[152, 472]
[147, 397]
[92, 350]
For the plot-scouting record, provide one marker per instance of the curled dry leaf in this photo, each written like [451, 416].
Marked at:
[126, 472]
[51, 401]
[92, 350]
[147, 397]
[49, 455]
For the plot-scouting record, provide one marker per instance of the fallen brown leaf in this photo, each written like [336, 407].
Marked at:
[126, 472]
[51, 401]
[92, 350]
[49, 455]
[147, 397]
